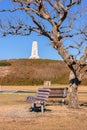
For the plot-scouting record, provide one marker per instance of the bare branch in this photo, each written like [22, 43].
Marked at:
[73, 2]
[11, 10]
[83, 58]
[40, 28]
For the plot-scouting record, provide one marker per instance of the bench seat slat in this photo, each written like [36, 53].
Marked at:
[42, 93]
[29, 99]
[58, 88]
[56, 93]
[44, 90]
[41, 98]
[57, 96]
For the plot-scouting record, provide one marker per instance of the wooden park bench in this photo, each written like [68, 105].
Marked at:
[41, 98]
[58, 93]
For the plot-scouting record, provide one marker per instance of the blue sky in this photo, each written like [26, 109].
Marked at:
[18, 47]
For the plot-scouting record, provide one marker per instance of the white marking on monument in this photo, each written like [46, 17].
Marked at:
[34, 52]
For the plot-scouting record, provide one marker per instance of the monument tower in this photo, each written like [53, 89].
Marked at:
[34, 52]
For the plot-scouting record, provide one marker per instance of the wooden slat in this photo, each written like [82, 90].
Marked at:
[44, 89]
[45, 96]
[41, 98]
[56, 95]
[42, 93]
[58, 88]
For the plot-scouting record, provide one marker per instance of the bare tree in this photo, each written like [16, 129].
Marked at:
[62, 22]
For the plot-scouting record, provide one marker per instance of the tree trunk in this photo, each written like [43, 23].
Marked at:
[73, 97]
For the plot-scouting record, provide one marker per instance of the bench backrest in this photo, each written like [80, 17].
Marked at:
[42, 94]
[58, 92]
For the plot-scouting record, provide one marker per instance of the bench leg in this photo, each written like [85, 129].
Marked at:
[63, 101]
[33, 107]
[42, 107]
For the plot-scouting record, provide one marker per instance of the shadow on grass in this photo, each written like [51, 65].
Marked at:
[83, 104]
[38, 109]
[56, 103]
[51, 103]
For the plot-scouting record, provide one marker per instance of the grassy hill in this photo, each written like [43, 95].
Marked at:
[33, 72]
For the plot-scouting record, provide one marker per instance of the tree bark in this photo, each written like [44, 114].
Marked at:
[73, 96]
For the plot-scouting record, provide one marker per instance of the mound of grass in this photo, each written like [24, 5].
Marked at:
[35, 72]
[5, 63]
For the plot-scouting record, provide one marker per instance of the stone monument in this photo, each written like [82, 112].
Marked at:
[34, 52]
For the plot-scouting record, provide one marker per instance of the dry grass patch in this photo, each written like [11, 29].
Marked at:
[15, 115]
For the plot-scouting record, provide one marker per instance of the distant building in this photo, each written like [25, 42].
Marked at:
[34, 52]
[47, 83]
